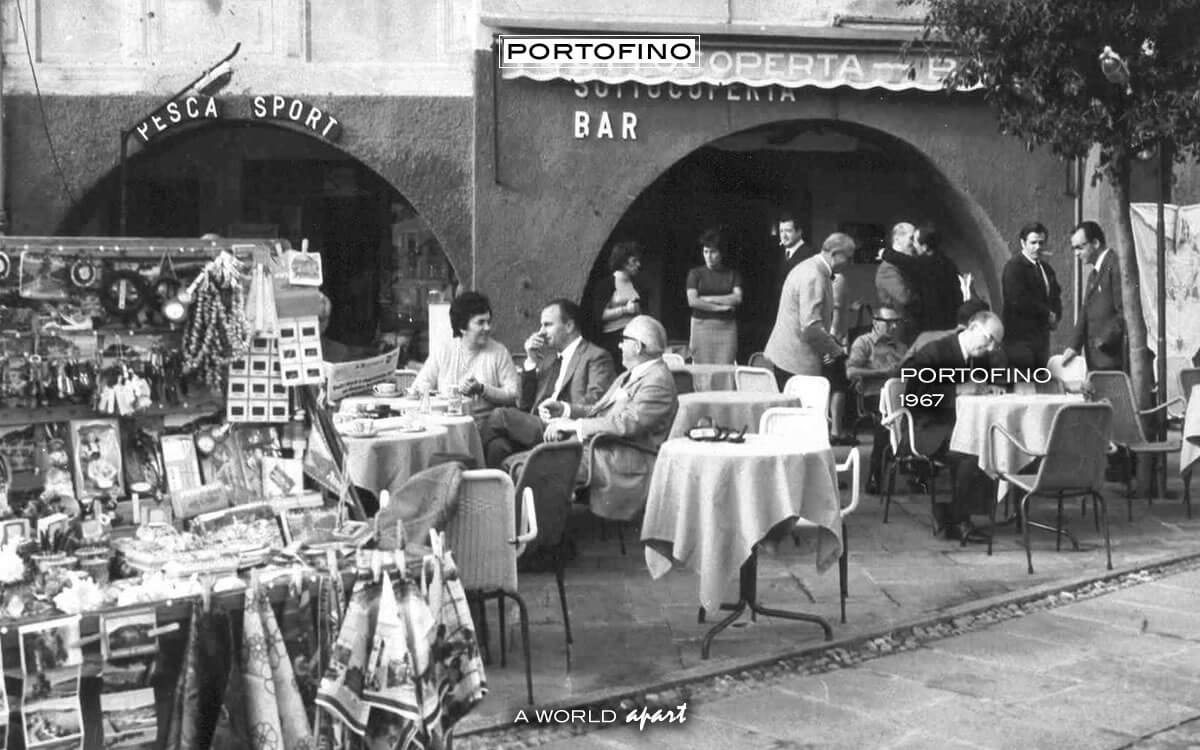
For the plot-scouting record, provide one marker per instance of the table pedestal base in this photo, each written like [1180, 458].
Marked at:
[748, 599]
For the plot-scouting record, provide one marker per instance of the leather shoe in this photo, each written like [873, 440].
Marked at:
[966, 533]
[872, 486]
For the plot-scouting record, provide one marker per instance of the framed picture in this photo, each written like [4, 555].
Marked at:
[45, 276]
[14, 530]
[96, 448]
[310, 525]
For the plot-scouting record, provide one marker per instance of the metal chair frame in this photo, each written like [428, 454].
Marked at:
[1047, 467]
[758, 379]
[899, 421]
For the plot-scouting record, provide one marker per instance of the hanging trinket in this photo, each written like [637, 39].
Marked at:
[85, 273]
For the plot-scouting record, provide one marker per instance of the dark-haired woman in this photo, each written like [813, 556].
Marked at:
[714, 292]
[474, 364]
[619, 299]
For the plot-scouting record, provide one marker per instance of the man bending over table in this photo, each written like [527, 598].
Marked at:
[934, 425]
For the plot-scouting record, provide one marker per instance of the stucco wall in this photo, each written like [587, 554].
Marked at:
[422, 146]
[545, 213]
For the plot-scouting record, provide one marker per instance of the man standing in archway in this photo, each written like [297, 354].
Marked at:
[1032, 300]
[791, 240]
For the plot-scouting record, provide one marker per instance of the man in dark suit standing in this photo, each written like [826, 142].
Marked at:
[1100, 331]
[1032, 300]
[933, 424]
[560, 366]
[791, 241]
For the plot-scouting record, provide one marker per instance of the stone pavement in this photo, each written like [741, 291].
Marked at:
[1105, 672]
[633, 633]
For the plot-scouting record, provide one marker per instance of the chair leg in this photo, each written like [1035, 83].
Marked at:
[500, 608]
[1187, 491]
[843, 569]
[1058, 529]
[559, 575]
[891, 487]
[524, 613]
[933, 500]
[700, 615]
[621, 536]
[1104, 511]
[481, 625]
[1025, 532]
[992, 527]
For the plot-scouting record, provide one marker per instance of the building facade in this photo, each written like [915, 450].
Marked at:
[386, 135]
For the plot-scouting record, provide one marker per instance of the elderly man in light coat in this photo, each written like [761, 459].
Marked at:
[802, 341]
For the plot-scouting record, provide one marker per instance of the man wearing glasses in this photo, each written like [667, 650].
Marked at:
[874, 357]
[933, 425]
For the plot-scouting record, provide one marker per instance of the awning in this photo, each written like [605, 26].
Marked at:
[823, 68]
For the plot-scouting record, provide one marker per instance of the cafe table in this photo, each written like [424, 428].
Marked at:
[462, 430]
[711, 504]
[385, 460]
[710, 377]
[1028, 416]
[733, 409]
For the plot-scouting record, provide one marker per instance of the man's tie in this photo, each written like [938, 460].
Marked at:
[556, 371]
[1045, 278]
[1089, 286]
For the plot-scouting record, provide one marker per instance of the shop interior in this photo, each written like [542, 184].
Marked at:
[254, 180]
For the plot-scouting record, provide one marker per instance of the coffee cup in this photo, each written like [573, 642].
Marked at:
[384, 389]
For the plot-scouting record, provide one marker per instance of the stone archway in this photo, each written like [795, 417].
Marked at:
[835, 175]
[242, 178]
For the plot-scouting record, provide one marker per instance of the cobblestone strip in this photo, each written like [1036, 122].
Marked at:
[818, 659]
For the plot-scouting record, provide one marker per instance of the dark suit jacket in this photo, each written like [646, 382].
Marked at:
[1027, 304]
[1100, 332]
[590, 374]
[935, 278]
[933, 426]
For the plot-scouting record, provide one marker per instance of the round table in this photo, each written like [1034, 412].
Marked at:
[398, 404]
[462, 435]
[1027, 416]
[711, 503]
[386, 460]
[733, 409]
[710, 377]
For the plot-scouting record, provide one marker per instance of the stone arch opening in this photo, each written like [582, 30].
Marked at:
[242, 178]
[833, 175]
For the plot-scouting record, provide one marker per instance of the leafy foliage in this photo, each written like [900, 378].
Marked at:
[1037, 63]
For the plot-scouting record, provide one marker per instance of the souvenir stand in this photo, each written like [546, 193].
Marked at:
[182, 561]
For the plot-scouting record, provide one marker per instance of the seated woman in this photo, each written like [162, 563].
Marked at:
[475, 365]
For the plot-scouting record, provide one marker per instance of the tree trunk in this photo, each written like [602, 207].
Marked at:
[1141, 371]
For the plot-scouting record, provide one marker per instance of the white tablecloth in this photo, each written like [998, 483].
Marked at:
[733, 409]
[1027, 416]
[710, 503]
[386, 460]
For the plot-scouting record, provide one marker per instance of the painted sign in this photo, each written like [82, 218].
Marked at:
[819, 68]
[297, 112]
[175, 113]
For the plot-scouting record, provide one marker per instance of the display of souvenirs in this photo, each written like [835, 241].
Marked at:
[44, 276]
[217, 330]
[96, 445]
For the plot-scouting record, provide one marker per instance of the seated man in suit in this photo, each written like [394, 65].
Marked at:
[639, 408]
[560, 366]
[933, 424]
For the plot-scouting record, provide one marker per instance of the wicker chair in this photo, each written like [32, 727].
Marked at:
[674, 360]
[550, 473]
[812, 390]
[755, 379]
[482, 534]
[808, 424]
[684, 381]
[902, 451]
[1127, 432]
[1072, 465]
[405, 379]
[758, 359]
